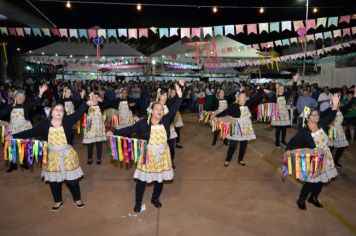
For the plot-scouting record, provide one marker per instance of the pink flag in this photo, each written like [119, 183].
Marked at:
[345, 19]
[263, 45]
[195, 32]
[251, 28]
[298, 24]
[12, 31]
[132, 33]
[239, 29]
[63, 32]
[346, 32]
[311, 24]
[20, 32]
[91, 33]
[184, 32]
[143, 32]
[55, 32]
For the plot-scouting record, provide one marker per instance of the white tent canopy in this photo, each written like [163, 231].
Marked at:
[67, 48]
[236, 49]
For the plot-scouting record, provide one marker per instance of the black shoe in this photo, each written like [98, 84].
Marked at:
[98, 162]
[56, 208]
[156, 203]
[137, 208]
[225, 142]
[11, 168]
[284, 143]
[178, 145]
[90, 162]
[79, 205]
[241, 163]
[337, 164]
[277, 146]
[315, 202]
[213, 143]
[226, 164]
[301, 204]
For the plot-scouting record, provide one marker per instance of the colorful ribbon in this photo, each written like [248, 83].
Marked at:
[17, 150]
[304, 163]
[4, 132]
[206, 116]
[226, 128]
[267, 112]
[125, 149]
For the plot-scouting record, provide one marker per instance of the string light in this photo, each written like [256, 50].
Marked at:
[139, 7]
[262, 10]
[315, 10]
[68, 5]
[185, 5]
[18, 49]
[215, 9]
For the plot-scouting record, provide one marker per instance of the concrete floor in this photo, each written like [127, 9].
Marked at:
[205, 199]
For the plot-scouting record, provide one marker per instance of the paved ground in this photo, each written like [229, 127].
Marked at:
[205, 199]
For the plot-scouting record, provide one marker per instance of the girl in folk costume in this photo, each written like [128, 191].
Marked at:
[219, 105]
[162, 95]
[178, 120]
[337, 137]
[282, 121]
[96, 133]
[156, 130]
[240, 112]
[70, 104]
[19, 115]
[125, 114]
[314, 135]
[63, 162]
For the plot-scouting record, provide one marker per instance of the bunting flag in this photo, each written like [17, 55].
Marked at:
[91, 33]
[122, 32]
[267, 27]
[20, 32]
[112, 33]
[163, 32]
[63, 32]
[278, 43]
[143, 32]
[274, 27]
[327, 35]
[239, 29]
[173, 32]
[298, 25]
[251, 29]
[196, 32]
[293, 40]
[267, 112]
[229, 29]
[345, 19]
[207, 31]
[304, 163]
[333, 21]
[286, 25]
[263, 27]
[46, 32]
[123, 149]
[27, 31]
[346, 32]
[55, 32]
[16, 150]
[310, 24]
[321, 22]
[310, 37]
[319, 36]
[73, 33]
[226, 128]
[218, 30]
[132, 33]
[102, 33]
[337, 33]
[3, 30]
[37, 32]
[353, 29]
[185, 32]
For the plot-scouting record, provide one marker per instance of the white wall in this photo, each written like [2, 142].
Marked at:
[333, 77]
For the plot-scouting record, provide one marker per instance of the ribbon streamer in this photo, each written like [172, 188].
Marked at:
[267, 112]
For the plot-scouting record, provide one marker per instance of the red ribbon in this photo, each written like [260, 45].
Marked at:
[126, 154]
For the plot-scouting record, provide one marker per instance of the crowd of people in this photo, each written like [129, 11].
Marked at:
[151, 110]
